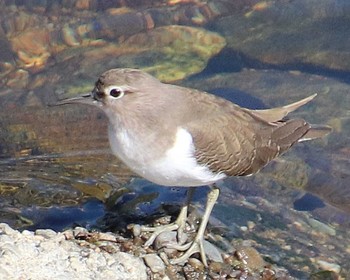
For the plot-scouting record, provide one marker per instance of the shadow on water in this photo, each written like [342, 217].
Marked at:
[60, 218]
[230, 60]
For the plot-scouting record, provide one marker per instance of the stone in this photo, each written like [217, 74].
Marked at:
[155, 263]
[251, 258]
[47, 233]
[212, 252]
[325, 265]
[322, 227]
[25, 256]
[169, 237]
[263, 34]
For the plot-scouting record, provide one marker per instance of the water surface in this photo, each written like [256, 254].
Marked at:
[56, 170]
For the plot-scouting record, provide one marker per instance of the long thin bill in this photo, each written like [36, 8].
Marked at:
[85, 98]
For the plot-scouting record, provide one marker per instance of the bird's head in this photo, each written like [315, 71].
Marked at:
[116, 88]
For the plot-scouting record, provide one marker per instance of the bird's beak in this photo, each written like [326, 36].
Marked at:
[86, 98]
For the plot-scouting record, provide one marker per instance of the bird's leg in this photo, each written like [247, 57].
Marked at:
[178, 225]
[197, 244]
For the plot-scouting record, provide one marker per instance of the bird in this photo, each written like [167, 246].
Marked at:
[183, 137]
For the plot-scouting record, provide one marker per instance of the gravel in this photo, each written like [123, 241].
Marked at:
[45, 254]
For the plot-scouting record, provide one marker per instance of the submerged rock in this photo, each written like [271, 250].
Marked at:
[284, 33]
[40, 35]
[178, 51]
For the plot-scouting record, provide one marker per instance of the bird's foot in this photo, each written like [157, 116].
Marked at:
[190, 248]
[178, 225]
[158, 230]
[197, 244]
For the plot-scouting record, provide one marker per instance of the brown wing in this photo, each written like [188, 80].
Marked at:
[240, 143]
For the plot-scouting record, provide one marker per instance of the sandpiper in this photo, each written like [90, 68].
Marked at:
[177, 136]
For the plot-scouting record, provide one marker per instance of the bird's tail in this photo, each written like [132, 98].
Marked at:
[316, 131]
[278, 113]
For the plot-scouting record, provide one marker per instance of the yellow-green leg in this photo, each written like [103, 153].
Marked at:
[197, 244]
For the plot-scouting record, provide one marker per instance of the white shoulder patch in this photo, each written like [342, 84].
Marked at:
[181, 167]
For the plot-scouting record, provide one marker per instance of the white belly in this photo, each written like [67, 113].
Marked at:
[177, 167]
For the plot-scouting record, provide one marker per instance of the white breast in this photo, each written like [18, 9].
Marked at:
[178, 166]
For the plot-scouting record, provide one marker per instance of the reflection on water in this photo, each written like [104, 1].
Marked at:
[55, 165]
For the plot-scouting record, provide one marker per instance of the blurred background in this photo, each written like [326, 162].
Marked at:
[56, 169]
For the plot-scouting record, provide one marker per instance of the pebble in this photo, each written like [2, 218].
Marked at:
[244, 228]
[212, 252]
[169, 237]
[321, 227]
[46, 233]
[250, 225]
[7, 230]
[196, 264]
[136, 230]
[155, 263]
[191, 273]
[80, 254]
[251, 258]
[329, 266]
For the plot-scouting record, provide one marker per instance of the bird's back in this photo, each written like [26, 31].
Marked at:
[234, 140]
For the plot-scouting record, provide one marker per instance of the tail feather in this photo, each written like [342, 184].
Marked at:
[277, 114]
[289, 133]
[316, 131]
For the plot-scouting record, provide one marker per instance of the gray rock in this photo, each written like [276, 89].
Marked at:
[155, 263]
[46, 233]
[48, 255]
[169, 237]
[322, 227]
[212, 252]
[6, 229]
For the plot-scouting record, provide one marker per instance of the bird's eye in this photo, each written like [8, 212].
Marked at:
[116, 92]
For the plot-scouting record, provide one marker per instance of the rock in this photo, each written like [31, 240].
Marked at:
[329, 266]
[251, 258]
[18, 79]
[196, 264]
[191, 272]
[133, 267]
[25, 256]
[168, 237]
[136, 230]
[5, 229]
[155, 263]
[212, 252]
[46, 233]
[174, 44]
[266, 35]
[325, 275]
[322, 227]
[170, 53]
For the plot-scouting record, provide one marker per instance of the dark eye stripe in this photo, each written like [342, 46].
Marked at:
[98, 95]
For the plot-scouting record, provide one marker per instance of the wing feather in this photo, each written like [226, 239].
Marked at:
[242, 147]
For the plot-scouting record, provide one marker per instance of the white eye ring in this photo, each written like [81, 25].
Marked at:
[115, 92]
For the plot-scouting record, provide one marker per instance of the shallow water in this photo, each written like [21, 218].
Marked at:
[56, 169]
